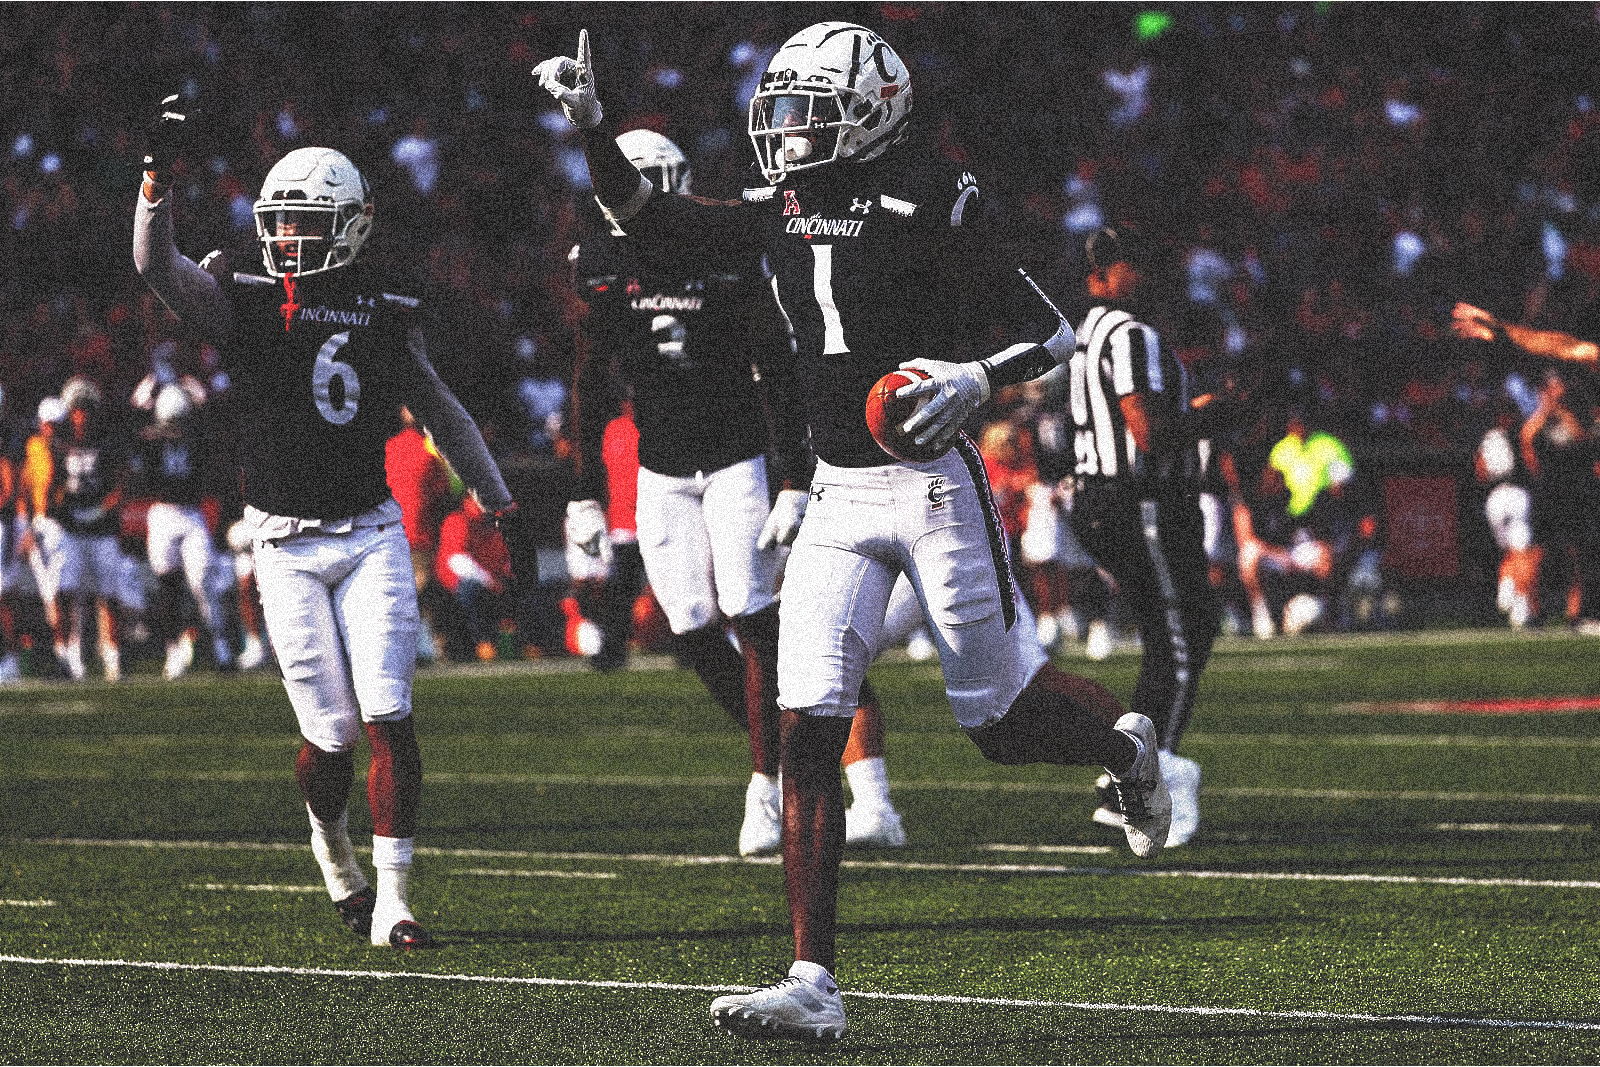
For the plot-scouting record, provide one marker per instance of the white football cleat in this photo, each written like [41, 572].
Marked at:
[1098, 645]
[873, 827]
[805, 1006]
[1183, 781]
[180, 656]
[1142, 794]
[762, 832]
[1106, 814]
[254, 653]
[919, 646]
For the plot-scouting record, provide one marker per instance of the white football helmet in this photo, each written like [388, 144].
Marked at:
[657, 159]
[314, 214]
[172, 403]
[833, 91]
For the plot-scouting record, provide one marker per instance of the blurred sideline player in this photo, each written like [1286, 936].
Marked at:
[11, 561]
[168, 464]
[874, 265]
[1136, 508]
[39, 535]
[323, 350]
[703, 353]
[87, 473]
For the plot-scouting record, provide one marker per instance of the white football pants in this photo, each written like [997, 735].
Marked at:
[341, 611]
[698, 539]
[1509, 510]
[936, 523]
[178, 538]
[91, 564]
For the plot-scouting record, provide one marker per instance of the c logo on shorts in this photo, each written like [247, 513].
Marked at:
[936, 493]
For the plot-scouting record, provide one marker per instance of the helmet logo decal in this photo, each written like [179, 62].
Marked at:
[289, 307]
[791, 203]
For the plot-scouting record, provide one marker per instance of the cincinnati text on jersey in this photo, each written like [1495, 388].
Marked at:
[662, 302]
[817, 226]
[341, 318]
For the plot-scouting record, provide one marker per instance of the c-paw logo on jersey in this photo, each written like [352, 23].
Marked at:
[937, 493]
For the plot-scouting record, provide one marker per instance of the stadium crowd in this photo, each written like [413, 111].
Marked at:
[1325, 181]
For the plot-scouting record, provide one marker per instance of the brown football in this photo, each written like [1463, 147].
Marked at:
[886, 413]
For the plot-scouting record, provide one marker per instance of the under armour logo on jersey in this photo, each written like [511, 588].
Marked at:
[791, 202]
[862, 206]
[936, 493]
[816, 492]
[366, 301]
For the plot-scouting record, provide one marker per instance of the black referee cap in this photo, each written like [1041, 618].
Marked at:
[1107, 246]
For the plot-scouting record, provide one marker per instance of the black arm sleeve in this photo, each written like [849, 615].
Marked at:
[790, 460]
[618, 185]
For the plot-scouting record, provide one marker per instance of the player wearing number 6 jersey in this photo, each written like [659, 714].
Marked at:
[880, 263]
[324, 349]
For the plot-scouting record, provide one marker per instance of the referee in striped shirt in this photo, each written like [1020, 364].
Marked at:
[1135, 503]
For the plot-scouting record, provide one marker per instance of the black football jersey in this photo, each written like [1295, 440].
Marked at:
[167, 464]
[685, 339]
[876, 263]
[83, 473]
[320, 367]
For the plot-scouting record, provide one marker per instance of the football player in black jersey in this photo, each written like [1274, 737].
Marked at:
[703, 351]
[878, 265]
[87, 474]
[324, 348]
[168, 467]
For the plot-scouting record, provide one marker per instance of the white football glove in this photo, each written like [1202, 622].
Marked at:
[958, 390]
[586, 525]
[784, 523]
[571, 82]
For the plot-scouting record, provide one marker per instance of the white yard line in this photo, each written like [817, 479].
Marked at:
[911, 998]
[1201, 737]
[538, 874]
[227, 888]
[1081, 850]
[669, 859]
[650, 781]
[27, 903]
[1518, 827]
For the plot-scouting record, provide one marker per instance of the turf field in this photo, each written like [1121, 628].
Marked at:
[1398, 865]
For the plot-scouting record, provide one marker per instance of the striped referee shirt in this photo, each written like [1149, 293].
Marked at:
[1117, 355]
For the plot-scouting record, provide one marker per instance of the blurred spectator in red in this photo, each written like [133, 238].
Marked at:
[473, 565]
[422, 485]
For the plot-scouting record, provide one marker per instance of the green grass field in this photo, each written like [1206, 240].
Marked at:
[1375, 882]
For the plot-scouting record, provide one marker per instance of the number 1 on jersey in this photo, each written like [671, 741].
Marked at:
[822, 281]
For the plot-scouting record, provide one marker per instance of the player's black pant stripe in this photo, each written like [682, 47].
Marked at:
[1172, 611]
[991, 521]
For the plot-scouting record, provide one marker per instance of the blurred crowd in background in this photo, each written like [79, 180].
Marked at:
[1325, 181]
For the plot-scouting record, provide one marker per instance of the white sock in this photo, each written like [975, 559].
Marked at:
[770, 784]
[815, 973]
[392, 857]
[330, 843]
[869, 782]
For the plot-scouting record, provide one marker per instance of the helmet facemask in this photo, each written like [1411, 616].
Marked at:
[305, 232]
[834, 91]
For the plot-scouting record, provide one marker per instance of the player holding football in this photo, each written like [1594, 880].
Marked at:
[877, 262]
[324, 349]
[693, 345]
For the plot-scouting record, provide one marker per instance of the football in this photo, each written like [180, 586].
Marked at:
[886, 413]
